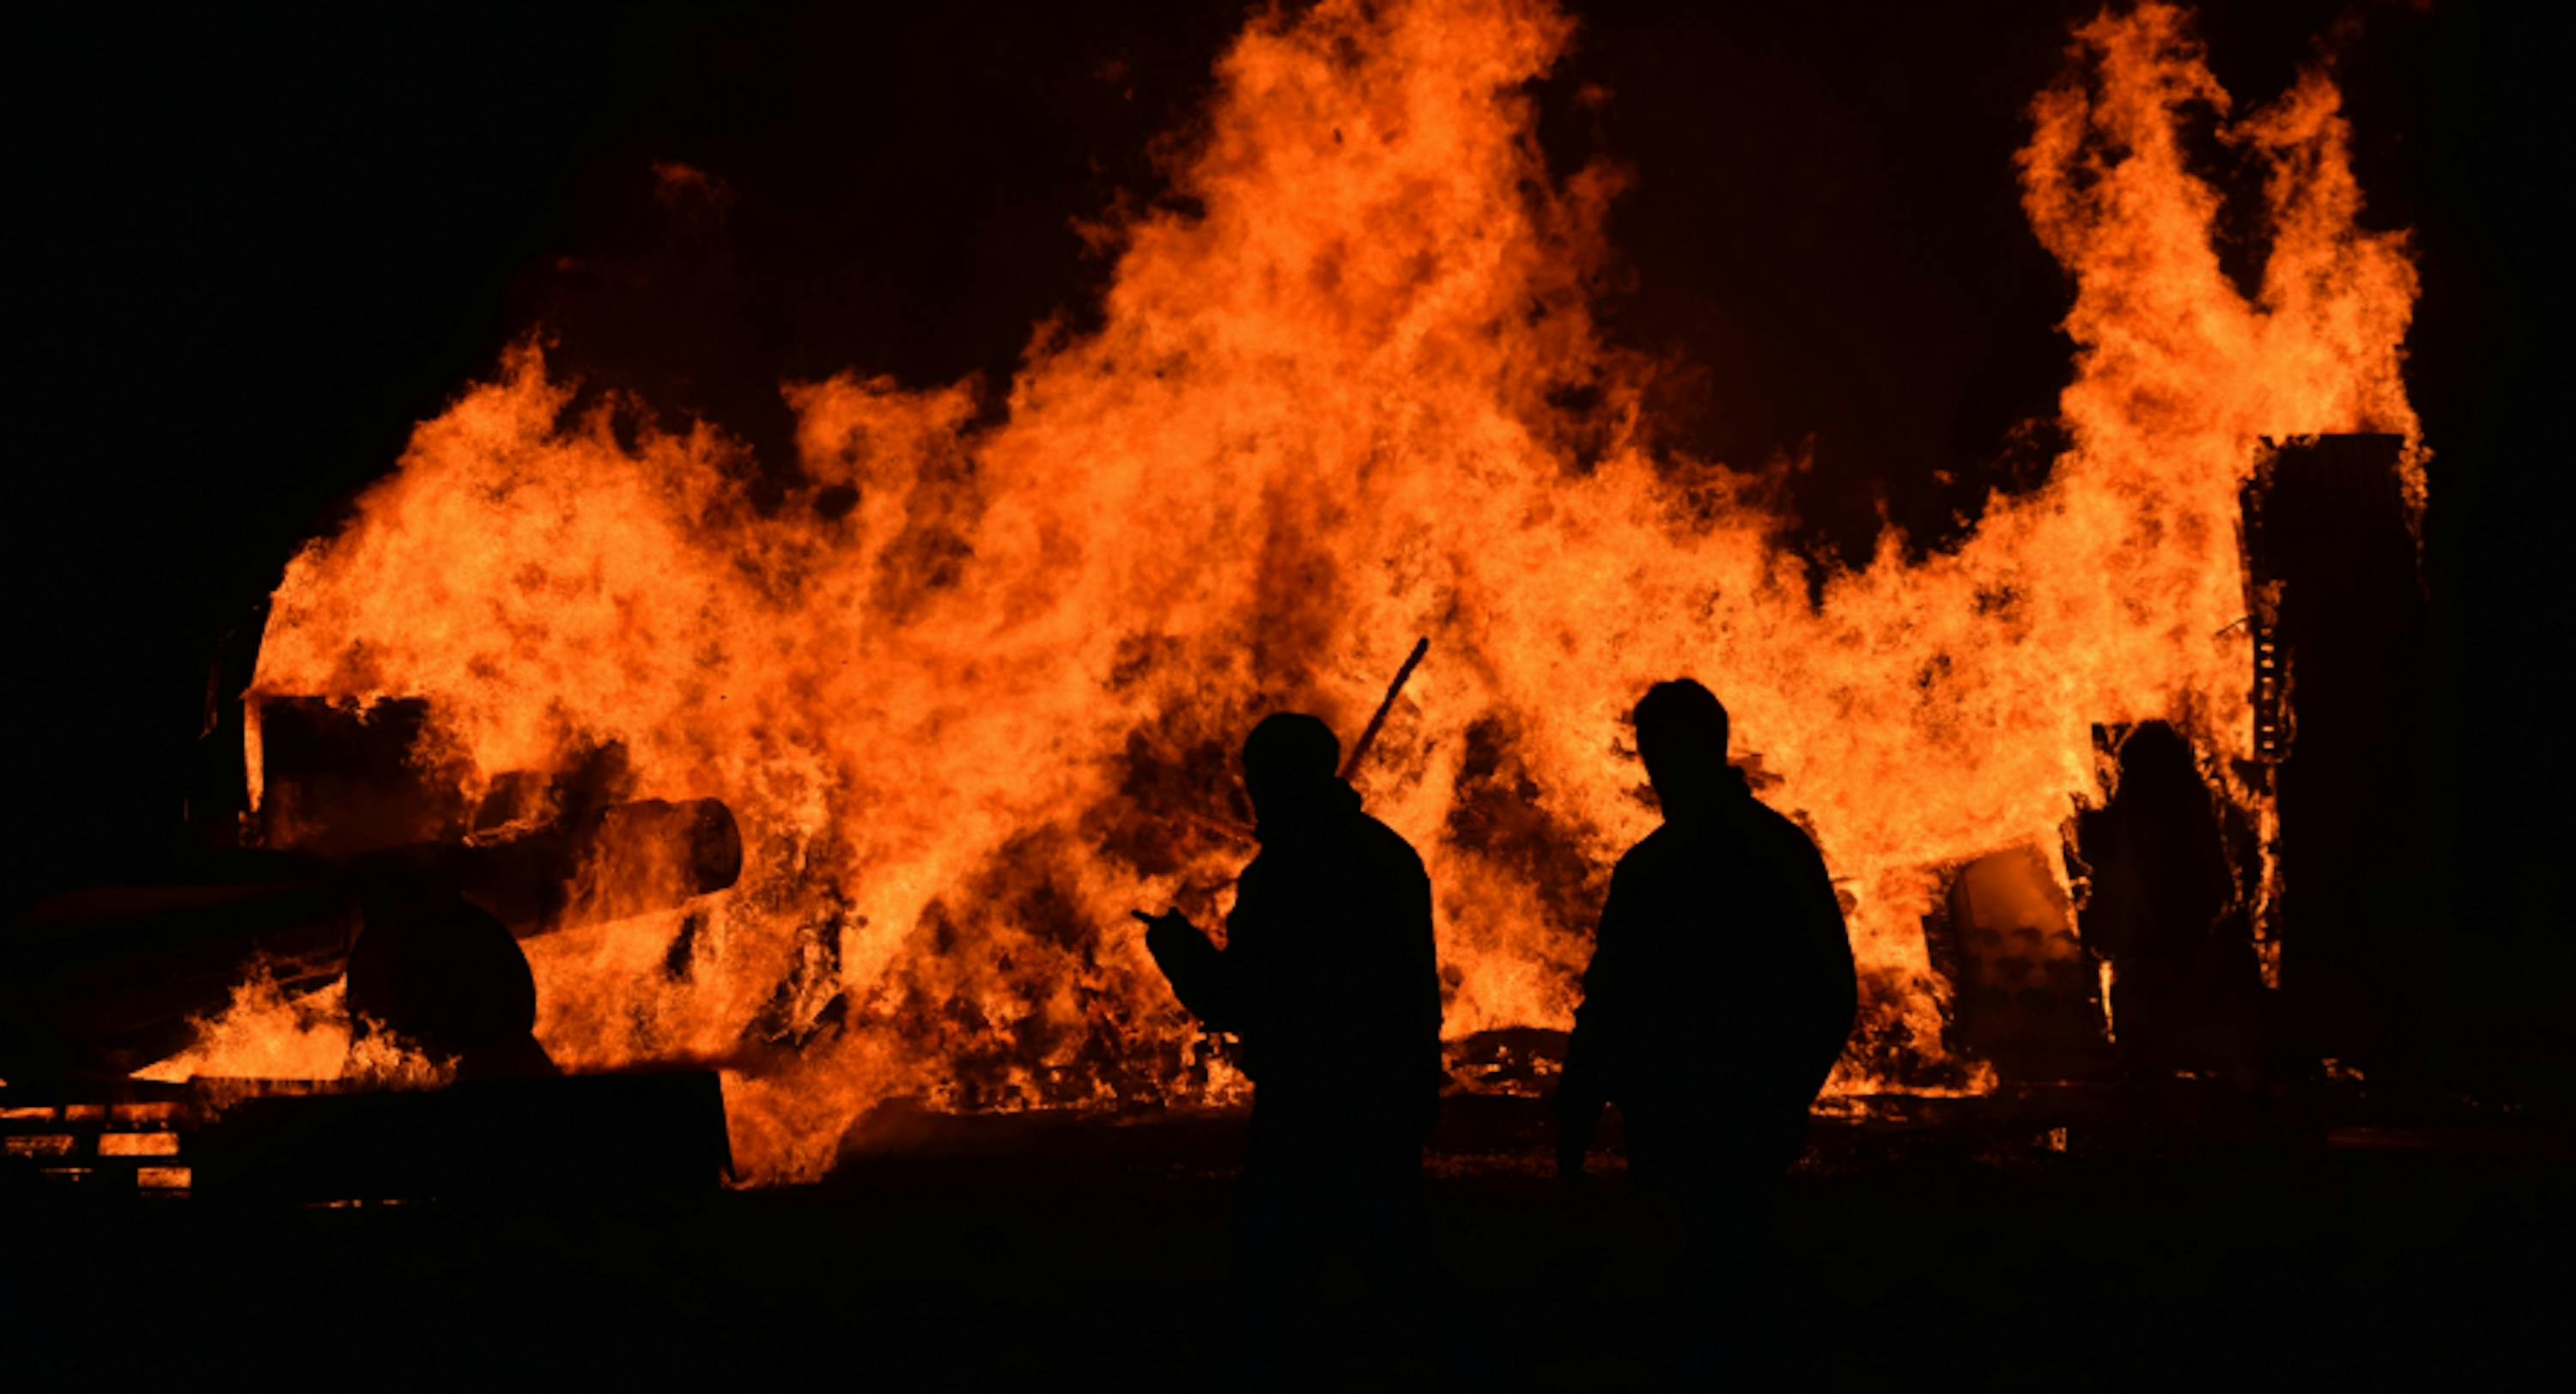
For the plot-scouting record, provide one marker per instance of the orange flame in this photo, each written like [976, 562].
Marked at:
[973, 690]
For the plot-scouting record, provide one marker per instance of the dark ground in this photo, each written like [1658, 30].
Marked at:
[1955, 1250]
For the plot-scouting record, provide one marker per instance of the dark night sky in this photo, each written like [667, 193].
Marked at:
[251, 251]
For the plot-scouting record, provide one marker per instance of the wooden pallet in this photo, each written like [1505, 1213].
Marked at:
[322, 1143]
[132, 1145]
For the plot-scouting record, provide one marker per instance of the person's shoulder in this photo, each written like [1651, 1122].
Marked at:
[1263, 867]
[1652, 850]
[1782, 835]
[1380, 837]
[1774, 823]
[1385, 847]
[1655, 843]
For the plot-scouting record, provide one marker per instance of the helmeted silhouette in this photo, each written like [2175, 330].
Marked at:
[1330, 978]
[1721, 988]
[446, 977]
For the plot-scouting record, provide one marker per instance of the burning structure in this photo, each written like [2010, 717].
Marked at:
[967, 690]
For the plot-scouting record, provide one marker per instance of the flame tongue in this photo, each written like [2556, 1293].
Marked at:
[974, 692]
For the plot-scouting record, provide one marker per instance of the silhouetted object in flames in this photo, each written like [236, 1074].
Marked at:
[99, 981]
[2028, 991]
[2347, 656]
[1330, 977]
[446, 978]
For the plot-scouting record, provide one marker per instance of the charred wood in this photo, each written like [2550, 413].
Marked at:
[104, 980]
[2331, 553]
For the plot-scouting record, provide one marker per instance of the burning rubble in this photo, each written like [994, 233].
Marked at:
[969, 693]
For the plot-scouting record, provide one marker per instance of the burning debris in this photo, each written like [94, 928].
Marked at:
[360, 873]
[2027, 996]
[962, 695]
[2331, 545]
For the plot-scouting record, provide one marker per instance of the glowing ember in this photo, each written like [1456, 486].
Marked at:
[973, 692]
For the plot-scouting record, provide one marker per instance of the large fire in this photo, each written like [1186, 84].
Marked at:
[973, 689]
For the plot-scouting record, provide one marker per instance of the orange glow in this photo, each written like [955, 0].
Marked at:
[138, 1145]
[972, 719]
[266, 1034]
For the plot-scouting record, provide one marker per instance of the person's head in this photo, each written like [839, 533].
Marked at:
[2155, 753]
[1682, 735]
[1289, 758]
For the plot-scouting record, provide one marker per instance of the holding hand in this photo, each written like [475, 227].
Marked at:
[1198, 971]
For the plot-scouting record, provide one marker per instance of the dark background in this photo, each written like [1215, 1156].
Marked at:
[252, 250]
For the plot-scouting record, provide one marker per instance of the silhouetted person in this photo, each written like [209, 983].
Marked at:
[1721, 987]
[1719, 996]
[446, 977]
[1330, 978]
[2161, 895]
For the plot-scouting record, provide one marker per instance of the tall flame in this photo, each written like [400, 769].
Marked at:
[973, 690]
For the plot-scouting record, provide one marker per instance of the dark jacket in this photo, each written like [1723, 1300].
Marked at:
[1328, 974]
[1721, 988]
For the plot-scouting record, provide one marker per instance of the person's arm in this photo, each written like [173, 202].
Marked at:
[1828, 940]
[1425, 971]
[1580, 1097]
[1583, 1090]
[1202, 975]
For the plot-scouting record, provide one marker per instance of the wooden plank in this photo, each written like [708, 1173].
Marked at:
[491, 1140]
